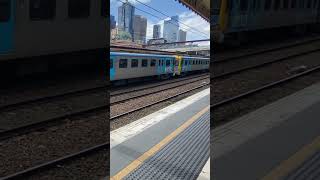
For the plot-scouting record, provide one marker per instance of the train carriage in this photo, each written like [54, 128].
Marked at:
[30, 28]
[230, 17]
[125, 66]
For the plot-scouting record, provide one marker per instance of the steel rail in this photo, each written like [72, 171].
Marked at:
[61, 160]
[46, 123]
[263, 64]
[266, 50]
[48, 98]
[156, 85]
[146, 94]
[157, 102]
[265, 87]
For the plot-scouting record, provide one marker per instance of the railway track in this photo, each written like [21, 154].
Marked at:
[174, 84]
[51, 119]
[80, 154]
[59, 161]
[265, 50]
[158, 101]
[225, 105]
[257, 65]
[15, 105]
[120, 91]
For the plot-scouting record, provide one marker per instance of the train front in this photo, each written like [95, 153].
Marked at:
[219, 18]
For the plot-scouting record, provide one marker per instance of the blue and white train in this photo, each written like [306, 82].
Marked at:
[124, 66]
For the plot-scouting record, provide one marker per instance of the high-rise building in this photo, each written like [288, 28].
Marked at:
[139, 29]
[182, 35]
[125, 18]
[171, 29]
[112, 22]
[156, 31]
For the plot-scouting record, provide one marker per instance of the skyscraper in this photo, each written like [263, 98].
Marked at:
[171, 29]
[125, 18]
[182, 35]
[112, 22]
[156, 31]
[139, 29]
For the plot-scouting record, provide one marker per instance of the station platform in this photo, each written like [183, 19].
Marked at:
[172, 143]
[278, 141]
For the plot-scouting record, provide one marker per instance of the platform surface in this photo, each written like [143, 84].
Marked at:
[172, 143]
[271, 142]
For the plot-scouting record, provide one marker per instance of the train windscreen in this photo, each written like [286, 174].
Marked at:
[4, 10]
[216, 7]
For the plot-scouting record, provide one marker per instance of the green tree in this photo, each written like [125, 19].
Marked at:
[123, 35]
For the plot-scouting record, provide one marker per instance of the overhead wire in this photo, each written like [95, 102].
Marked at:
[169, 17]
[155, 16]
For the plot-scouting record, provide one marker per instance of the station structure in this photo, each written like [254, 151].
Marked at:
[172, 143]
[278, 141]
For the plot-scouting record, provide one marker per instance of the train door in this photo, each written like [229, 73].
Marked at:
[161, 68]
[239, 13]
[6, 25]
[112, 67]
[177, 66]
[169, 65]
[318, 11]
[244, 12]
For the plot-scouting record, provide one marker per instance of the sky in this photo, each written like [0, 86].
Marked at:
[170, 8]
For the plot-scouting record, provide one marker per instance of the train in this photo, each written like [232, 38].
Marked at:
[233, 18]
[125, 66]
[33, 28]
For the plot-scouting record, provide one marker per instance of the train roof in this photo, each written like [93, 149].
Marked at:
[152, 55]
[194, 57]
[139, 54]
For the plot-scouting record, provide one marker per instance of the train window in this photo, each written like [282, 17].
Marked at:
[153, 62]
[79, 8]
[267, 4]
[285, 4]
[123, 63]
[168, 63]
[276, 5]
[301, 3]
[256, 4]
[185, 62]
[134, 63]
[315, 3]
[243, 5]
[309, 4]
[5, 10]
[42, 9]
[111, 63]
[293, 3]
[144, 63]
[104, 8]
